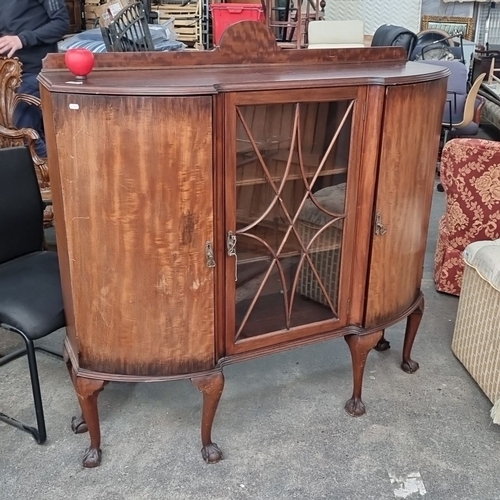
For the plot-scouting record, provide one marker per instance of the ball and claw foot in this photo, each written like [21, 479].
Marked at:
[382, 345]
[355, 407]
[92, 458]
[409, 366]
[78, 425]
[211, 453]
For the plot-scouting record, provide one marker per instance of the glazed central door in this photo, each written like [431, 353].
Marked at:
[291, 168]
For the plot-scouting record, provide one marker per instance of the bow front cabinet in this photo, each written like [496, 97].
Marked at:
[212, 207]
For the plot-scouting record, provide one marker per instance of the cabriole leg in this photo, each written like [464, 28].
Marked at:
[412, 324]
[211, 386]
[78, 424]
[87, 391]
[382, 344]
[360, 346]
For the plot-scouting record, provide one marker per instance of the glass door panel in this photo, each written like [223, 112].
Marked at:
[291, 172]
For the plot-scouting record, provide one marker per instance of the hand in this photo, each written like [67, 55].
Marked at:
[9, 44]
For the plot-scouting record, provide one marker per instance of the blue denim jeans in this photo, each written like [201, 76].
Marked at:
[28, 116]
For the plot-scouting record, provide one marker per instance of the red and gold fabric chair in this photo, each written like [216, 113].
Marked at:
[470, 175]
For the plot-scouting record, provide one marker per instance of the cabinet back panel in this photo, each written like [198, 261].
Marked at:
[136, 185]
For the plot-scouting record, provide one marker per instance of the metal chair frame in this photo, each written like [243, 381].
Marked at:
[39, 432]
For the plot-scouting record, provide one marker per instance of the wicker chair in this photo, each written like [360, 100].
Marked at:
[10, 136]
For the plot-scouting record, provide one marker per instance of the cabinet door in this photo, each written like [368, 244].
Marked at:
[408, 154]
[132, 184]
[292, 160]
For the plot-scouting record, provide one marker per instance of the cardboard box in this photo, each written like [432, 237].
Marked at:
[106, 11]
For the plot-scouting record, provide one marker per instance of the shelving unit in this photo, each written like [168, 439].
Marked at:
[188, 21]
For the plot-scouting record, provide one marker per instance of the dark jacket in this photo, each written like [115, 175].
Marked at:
[39, 24]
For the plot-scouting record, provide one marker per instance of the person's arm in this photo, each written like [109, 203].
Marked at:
[53, 31]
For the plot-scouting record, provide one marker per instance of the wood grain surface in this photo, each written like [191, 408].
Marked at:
[410, 141]
[135, 179]
[248, 59]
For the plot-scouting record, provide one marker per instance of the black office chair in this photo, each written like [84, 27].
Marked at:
[30, 290]
[128, 31]
[389, 35]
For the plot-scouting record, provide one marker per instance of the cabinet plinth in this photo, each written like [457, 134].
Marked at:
[213, 207]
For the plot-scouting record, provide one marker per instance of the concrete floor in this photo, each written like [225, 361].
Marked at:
[280, 423]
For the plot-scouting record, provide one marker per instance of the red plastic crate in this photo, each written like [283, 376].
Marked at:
[225, 14]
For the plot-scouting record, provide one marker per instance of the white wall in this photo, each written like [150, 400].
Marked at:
[402, 13]
[374, 13]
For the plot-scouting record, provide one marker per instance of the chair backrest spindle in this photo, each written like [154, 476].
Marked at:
[128, 31]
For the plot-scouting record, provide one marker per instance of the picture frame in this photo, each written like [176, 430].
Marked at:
[450, 24]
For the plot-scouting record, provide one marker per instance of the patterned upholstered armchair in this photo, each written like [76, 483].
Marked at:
[470, 175]
[10, 79]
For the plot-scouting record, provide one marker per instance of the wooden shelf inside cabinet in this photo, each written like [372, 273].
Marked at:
[252, 181]
[249, 170]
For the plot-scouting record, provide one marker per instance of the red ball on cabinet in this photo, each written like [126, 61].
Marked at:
[80, 62]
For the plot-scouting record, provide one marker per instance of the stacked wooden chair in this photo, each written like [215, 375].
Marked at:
[10, 136]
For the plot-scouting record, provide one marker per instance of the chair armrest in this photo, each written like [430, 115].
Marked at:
[29, 99]
[18, 134]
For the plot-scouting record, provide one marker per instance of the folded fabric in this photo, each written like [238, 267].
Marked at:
[163, 38]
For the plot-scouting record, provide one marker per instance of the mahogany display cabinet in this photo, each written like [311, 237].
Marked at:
[213, 207]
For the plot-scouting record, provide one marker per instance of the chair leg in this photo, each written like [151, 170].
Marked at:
[446, 135]
[12, 356]
[40, 432]
[22, 351]
[19, 425]
[37, 396]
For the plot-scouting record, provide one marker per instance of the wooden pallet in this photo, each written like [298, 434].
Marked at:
[187, 21]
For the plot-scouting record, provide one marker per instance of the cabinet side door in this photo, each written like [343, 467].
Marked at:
[409, 150]
[135, 208]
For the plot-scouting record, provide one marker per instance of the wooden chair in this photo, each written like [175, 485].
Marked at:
[289, 20]
[471, 111]
[10, 136]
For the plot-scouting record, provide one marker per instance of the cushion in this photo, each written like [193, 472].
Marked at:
[162, 35]
[340, 33]
[331, 198]
[484, 257]
[336, 46]
[30, 294]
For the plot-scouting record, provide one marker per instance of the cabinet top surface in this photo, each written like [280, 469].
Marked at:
[248, 59]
